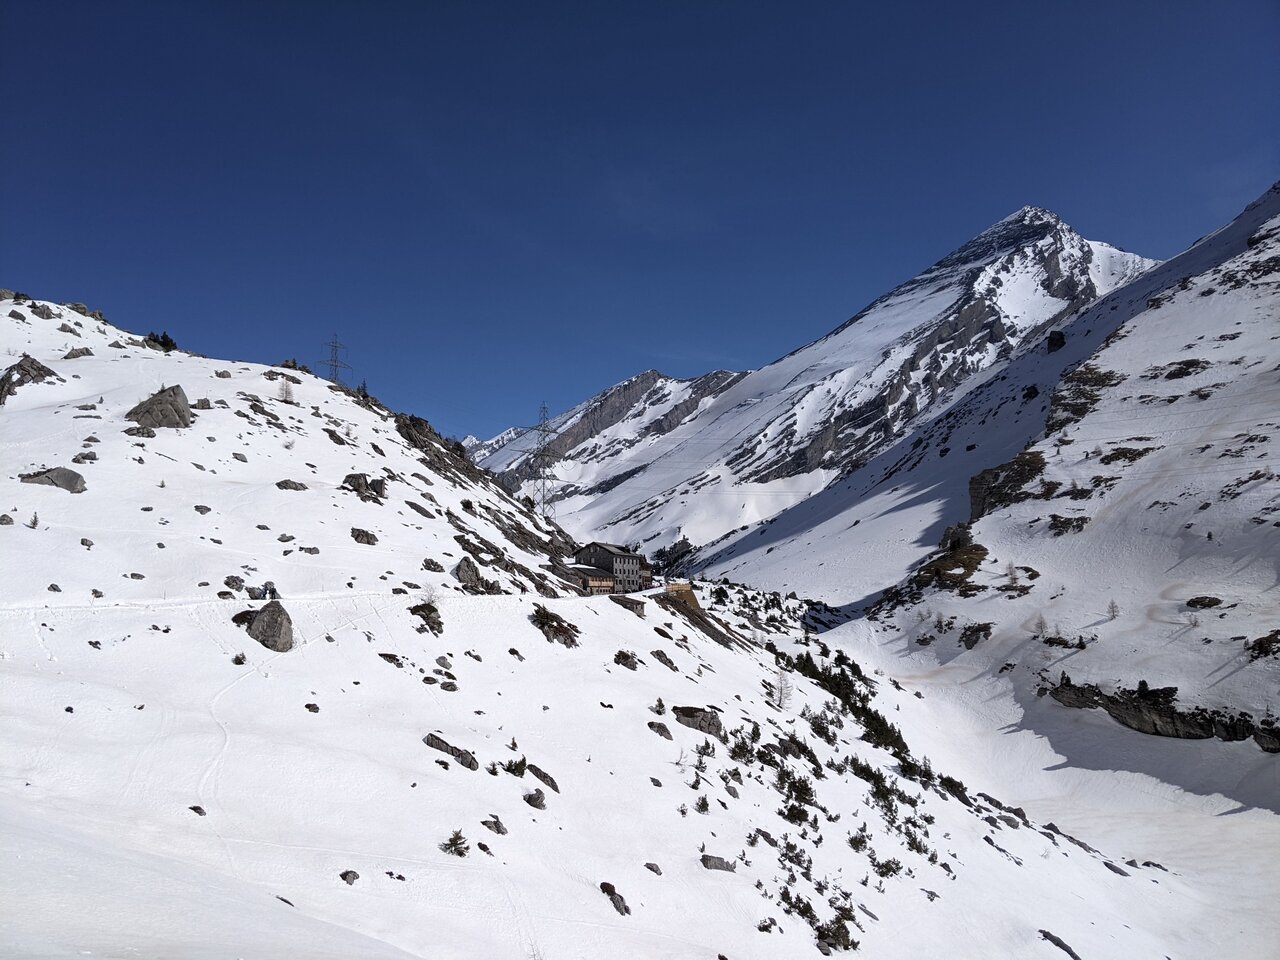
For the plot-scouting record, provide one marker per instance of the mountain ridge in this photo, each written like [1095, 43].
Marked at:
[783, 432]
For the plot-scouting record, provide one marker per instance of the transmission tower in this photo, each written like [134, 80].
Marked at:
[335, 363]
[543, 460]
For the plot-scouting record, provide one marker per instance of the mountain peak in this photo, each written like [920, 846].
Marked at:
[1032, 214]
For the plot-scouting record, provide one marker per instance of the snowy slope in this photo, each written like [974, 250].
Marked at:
[1131, 466]
[702, 458]
[170, 787]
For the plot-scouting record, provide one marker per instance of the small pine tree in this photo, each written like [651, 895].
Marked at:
[34, 521]
[782, 689]
[1041, 626]
[1011, 572]
[286, 391]
[1113, 610]
[456, 845]
[701, 804]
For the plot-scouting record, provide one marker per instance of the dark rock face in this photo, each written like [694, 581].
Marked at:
[662, 657]
[364, 488]
[349, 877]
[537, 799]
[660, 729]
[290, 485]
[468, 574]
[1059, 943]
[701, 719]
[718, 863]
[975, 633]
[465, 758]
[615, 898]
[27, 370]
[59, 477]
[42, 310]
[1003, 486]
[77, 353]
[536, 771]
[555, 627]
[1203, 603]
[166, 409]
[1152, 711]
[625, 658]
[273, 628]
[1056, 341]
[363, 536]
[434, 566]
[495, 824]
[430, 616]
[654, 868]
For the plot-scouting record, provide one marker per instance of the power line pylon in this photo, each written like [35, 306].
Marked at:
[543, 460]
[335, 363]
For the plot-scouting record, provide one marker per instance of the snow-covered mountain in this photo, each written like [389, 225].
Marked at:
[653, 459]
[265, 651]
[1107, 514]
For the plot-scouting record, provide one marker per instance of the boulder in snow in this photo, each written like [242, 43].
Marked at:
[59, 477]
[167, 408]
[273, 628]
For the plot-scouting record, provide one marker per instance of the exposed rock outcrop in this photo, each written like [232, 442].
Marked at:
[1152, 710]
[702, 719]
[718, 863]
[27, 370]
[465, 758]
[165, 409]
[59, 477]
[273, 628]
[619, 904]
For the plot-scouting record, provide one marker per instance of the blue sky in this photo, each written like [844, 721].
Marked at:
[495, 204]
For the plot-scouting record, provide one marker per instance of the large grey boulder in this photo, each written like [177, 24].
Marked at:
[167, 408]
[273, 628]
[701, 719]
[59, 477]
[468, 573]
[27, 370]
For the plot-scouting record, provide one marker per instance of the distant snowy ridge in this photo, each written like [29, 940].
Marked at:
[654, 459]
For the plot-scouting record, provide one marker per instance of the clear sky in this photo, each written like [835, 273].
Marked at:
[499, 203]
